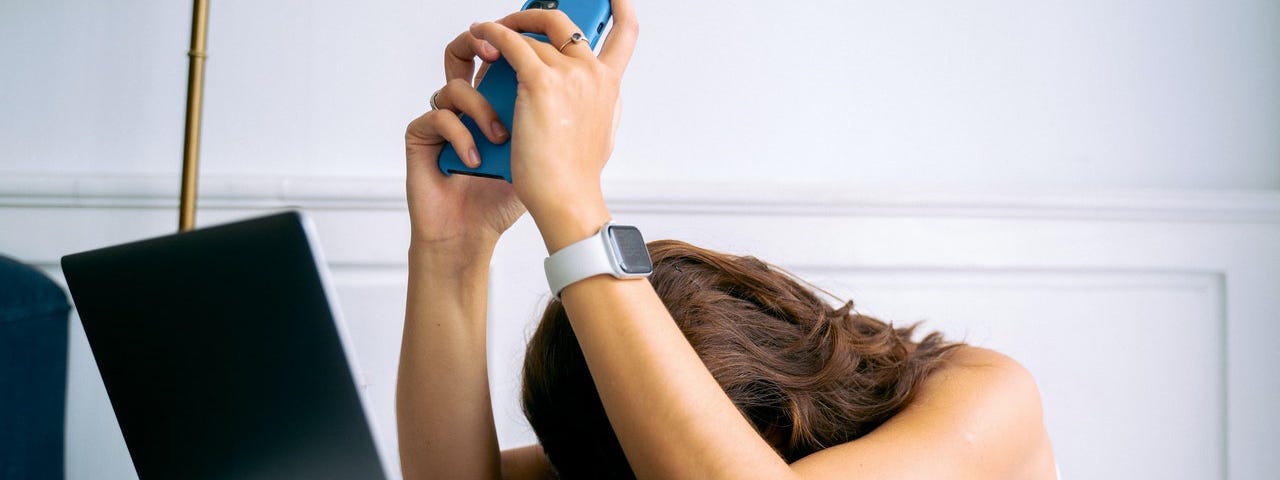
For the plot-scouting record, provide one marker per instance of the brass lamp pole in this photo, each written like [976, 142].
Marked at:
[195, 100]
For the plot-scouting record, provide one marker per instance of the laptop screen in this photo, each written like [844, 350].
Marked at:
[221, 354]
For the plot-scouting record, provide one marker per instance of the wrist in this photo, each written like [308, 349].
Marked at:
[453, 258]
[569, 222]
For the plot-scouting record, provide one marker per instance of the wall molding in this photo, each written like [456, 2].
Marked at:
[228, 192]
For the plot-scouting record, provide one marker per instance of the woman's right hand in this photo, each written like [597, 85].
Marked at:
[566, 114]
[458, 215]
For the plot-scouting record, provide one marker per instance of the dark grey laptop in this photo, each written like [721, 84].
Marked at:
[223, 355]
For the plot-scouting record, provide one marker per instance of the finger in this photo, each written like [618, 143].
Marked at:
[460, 55]
[439, 126]
[459, 96]
[518, 49]
[621, 43]
[554, 24]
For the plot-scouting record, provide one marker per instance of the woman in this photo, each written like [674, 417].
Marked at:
[613, 383]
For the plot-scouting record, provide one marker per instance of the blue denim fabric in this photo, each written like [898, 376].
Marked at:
[33, 373]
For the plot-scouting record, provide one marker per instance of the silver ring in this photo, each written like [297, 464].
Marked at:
[575, 38]
[432, 101]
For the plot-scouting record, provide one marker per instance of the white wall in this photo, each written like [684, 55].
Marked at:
[1065, 94]
[820, 106]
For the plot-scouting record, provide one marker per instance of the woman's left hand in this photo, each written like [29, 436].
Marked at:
[458, 216]
[565, 116]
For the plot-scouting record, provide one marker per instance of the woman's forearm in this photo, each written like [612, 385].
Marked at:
[670, 416]
[443, 410]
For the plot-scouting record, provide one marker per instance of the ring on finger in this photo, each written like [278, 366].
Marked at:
[434, 97]
[575, 38]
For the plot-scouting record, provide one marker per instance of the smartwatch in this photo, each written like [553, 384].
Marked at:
[616, 250]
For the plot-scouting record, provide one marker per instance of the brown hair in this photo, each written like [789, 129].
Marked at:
[808, 376]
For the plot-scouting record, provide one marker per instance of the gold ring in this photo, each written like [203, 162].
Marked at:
[575, 38]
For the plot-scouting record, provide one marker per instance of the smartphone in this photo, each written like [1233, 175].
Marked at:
[499, 87]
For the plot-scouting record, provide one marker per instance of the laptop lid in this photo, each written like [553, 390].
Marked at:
[223, 356]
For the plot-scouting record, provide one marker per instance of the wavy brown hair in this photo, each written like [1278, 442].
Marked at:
[806, 374]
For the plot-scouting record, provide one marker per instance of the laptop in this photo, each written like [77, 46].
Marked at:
[224, 355]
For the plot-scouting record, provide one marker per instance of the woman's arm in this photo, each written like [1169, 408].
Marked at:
[670, 416]
[443, 410]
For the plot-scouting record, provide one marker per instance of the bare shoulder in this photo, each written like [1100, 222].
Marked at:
[981, 370]
[990, 407]
[979, 416]
[987, 407]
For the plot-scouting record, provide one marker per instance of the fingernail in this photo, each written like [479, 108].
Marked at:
[498, 130]
[474, 156]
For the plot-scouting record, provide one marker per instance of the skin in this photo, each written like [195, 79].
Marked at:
[977, 417]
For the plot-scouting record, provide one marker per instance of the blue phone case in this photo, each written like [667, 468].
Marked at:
[499, 87]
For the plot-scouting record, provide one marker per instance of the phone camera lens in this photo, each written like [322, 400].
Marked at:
[544, 4]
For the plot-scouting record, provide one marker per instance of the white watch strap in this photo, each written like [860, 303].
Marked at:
[584, 259]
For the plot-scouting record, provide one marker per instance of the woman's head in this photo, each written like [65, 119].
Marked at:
[807, 375]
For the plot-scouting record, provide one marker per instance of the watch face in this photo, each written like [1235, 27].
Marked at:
[633, 256]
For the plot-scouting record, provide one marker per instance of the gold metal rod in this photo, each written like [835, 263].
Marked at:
[195, 102]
